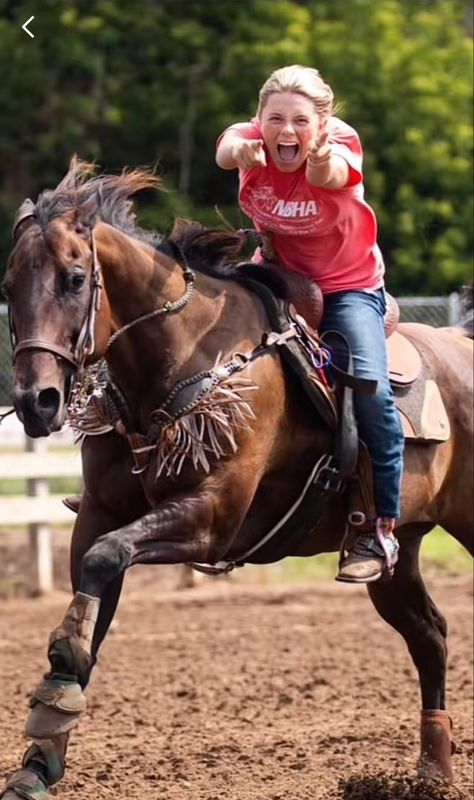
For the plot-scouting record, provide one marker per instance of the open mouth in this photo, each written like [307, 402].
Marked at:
[288, 152]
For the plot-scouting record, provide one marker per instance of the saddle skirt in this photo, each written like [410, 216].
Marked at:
[416, 392]
[417, 396]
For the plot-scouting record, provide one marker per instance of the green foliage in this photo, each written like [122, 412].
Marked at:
[404, 76]
[155, 82]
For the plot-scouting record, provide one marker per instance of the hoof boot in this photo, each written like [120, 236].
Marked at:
[26, 785]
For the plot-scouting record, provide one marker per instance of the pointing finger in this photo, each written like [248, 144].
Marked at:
[323, 139]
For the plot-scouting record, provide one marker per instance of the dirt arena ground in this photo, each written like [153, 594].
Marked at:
[244, 692]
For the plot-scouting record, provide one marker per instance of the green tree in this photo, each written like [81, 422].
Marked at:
[404, 76]
[155, 82]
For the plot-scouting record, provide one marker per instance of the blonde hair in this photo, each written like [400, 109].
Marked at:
[302, 80]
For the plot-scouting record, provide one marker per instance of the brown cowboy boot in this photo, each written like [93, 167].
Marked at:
[369, 555]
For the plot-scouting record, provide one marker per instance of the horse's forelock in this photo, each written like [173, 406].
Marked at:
[52, 204]
[29, 252]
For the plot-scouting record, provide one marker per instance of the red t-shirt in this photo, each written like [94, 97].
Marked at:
[328, 234]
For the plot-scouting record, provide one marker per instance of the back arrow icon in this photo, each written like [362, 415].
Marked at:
[25, 28]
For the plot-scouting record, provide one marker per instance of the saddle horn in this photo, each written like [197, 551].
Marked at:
[26, 213]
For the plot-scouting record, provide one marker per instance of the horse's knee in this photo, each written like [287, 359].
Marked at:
[106, 559]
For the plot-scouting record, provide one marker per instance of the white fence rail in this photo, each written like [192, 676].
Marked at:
[34, 463]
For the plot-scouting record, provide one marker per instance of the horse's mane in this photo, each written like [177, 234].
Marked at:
[213, 251]
[105, 197]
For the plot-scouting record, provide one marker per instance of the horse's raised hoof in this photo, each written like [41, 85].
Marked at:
[25, 785]
[436, 745]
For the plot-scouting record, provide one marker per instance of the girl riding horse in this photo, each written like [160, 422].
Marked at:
[300, 176]
[192, 464]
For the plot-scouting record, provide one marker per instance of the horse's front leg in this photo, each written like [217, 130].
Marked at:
[58, 701]
[179, 531]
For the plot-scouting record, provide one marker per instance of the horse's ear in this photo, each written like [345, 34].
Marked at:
[24, 217]
[87, 211]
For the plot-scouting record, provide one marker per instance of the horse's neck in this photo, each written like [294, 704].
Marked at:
[132, 278]
[150, 357]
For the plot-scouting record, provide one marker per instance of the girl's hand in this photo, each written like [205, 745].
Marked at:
[248, 153]
[320, 152]
[325, 169]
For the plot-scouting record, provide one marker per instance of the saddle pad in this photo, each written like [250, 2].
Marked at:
[422, 410]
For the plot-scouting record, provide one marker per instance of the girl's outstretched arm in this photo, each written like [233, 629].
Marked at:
[234, 150]
[324, 168]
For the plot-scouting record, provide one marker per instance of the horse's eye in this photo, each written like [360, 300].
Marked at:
[76, 281]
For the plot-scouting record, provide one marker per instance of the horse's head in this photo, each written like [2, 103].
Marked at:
[59, 317]
[52, 284]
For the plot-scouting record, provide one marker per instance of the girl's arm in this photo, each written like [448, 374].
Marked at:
[234, 150]
[324, 168]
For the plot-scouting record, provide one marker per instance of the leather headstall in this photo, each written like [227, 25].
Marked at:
[85, 343]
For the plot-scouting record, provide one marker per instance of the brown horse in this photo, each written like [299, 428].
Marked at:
[84, 283]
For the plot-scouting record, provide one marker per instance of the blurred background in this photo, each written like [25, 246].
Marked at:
[154, 82]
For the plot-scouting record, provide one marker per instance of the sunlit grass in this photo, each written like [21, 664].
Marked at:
[17, 486]
[439, 552]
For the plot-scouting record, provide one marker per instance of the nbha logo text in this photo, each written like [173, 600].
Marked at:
[291, 208]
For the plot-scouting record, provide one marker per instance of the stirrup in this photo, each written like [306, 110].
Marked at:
[369, 556]
[364, 563]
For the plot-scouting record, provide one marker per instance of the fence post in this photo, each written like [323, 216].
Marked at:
[39, 532]
[454, 308]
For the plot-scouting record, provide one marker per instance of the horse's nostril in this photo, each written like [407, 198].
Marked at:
[48, 402]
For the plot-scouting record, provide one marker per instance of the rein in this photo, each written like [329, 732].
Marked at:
[170, 307]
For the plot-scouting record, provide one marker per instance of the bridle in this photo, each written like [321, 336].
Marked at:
[85, 343]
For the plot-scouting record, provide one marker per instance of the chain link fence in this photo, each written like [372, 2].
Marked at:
[436, 311]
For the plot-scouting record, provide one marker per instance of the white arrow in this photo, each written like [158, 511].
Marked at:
[26, 29]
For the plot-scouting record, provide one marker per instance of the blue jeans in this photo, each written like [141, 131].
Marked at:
[360, 317]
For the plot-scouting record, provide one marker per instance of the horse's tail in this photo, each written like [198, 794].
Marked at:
[467, 305]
